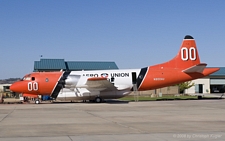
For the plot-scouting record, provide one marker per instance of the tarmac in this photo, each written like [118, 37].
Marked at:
[183, 120]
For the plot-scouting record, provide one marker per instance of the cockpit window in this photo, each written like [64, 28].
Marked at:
[27, 77]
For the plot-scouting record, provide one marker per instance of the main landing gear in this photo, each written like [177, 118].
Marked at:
[98, 99]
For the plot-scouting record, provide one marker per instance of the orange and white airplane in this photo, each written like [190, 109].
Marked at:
[107, 84]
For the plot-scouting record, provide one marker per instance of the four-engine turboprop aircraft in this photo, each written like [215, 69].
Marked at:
[107, 84]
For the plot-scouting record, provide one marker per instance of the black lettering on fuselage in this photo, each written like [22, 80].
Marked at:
[91, 75]
[119, 74]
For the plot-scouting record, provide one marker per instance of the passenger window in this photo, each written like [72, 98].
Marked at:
[32, 78]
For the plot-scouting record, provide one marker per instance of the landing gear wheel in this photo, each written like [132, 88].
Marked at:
[98, 100]
[37, 102]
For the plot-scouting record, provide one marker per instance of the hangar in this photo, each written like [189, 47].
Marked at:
[214, 83]
[61, 64]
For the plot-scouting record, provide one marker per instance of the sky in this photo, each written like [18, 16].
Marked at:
[132, 33]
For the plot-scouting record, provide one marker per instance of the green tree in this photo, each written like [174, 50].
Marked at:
[185, 85]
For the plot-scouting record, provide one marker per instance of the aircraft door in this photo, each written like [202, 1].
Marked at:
[198, 88]
[134, 81]
[134, 78]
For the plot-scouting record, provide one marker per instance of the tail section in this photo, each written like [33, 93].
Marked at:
[185, 66]
[197, 68]
[187, 56]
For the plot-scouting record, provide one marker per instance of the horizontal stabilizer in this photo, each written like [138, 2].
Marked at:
[197, 68]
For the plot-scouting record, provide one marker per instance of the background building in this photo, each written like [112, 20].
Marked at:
[5, 87]
[61, 64]
[214, 83]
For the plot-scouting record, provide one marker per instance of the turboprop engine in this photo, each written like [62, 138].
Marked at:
[71, 81]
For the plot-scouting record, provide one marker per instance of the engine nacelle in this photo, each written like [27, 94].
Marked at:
[71, 81]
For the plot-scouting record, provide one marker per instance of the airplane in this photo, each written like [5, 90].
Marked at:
[97, 85]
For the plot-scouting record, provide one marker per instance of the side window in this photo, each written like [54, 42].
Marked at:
[32, 78]
[46, 80]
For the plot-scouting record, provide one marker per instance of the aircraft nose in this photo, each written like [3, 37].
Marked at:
[16, 87]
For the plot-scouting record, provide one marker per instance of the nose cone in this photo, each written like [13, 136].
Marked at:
[17, 87]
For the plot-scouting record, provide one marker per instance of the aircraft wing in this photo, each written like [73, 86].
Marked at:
[99, 84]
[197, 68]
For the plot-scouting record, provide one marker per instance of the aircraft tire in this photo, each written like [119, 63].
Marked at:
[98, 100]
[37, 102]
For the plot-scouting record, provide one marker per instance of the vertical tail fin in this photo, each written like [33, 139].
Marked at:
[188, 54]
[186, 57]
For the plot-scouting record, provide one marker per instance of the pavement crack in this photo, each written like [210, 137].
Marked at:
[70, 138]
[8, 114]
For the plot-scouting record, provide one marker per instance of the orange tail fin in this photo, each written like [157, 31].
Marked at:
[187, 56]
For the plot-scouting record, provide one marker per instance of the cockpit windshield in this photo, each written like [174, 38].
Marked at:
[26, 77]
